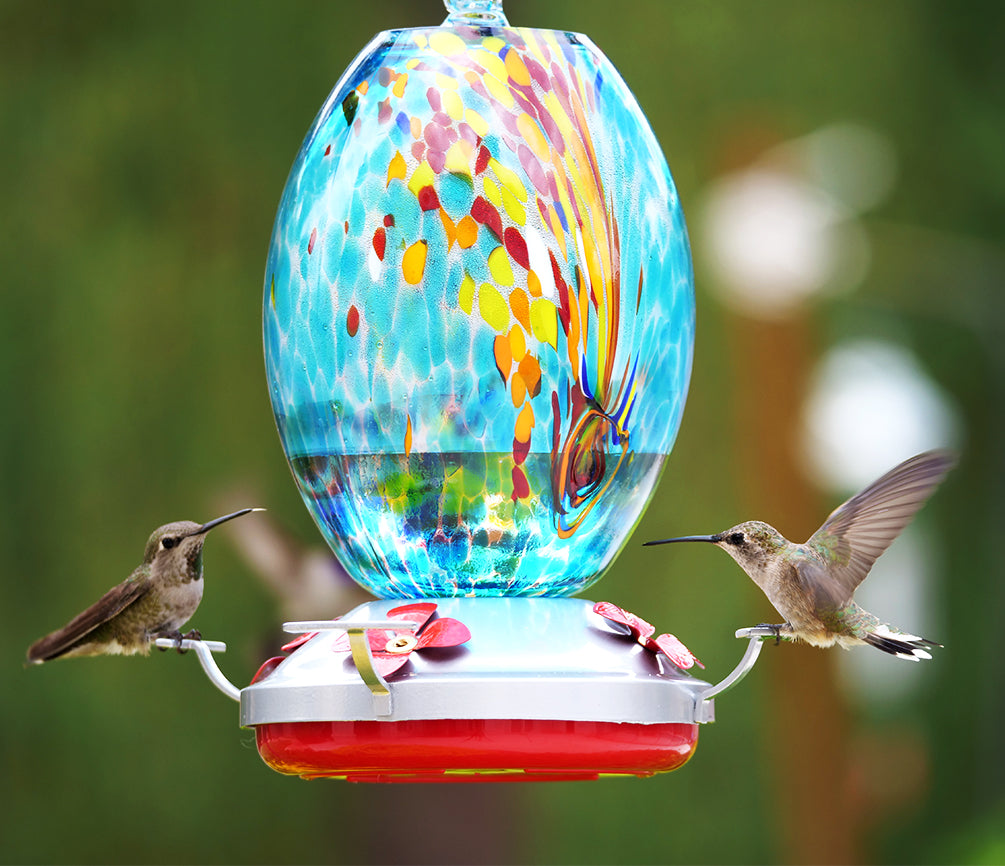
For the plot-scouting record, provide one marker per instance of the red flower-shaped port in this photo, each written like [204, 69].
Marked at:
[391, 648]
[643, 632]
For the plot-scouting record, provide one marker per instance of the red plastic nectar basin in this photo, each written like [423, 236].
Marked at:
[459, 750]
[538, 689]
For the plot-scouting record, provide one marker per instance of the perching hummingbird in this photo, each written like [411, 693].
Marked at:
[158, 598]
[812, 584]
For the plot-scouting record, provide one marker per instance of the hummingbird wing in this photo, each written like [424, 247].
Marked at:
[857, 532]
[112, 603]
[818, 587]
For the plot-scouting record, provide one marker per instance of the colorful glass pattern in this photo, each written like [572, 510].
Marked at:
[479, 314]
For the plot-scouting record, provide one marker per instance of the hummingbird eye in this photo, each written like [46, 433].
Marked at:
[735, 538]
[168, 542]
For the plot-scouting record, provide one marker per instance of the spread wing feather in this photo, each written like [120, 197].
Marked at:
[858, 531]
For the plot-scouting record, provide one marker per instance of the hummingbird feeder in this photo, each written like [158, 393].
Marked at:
[478, 329]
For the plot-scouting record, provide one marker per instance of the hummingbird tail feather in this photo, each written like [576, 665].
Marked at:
[52, 647]
[46, 649]
[903, 646]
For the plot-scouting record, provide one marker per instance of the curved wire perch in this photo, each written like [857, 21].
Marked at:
[204, 650]
[756, 635]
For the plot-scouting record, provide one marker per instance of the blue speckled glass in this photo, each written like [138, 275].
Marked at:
[479, 313]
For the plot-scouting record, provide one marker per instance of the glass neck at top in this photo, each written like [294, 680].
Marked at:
[488, 13]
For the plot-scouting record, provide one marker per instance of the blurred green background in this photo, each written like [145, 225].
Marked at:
[143, 148]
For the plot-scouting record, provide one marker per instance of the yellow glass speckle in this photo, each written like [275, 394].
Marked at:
[422, 177]
[544, 321]
[492, 64]
[466, 296]
[476, 122]
[458, 160]
[452, 104]
[532, 134]
[492, 192]
[514, 209]
[447, 43]
[508, 178]
[493, 307]
[500, 268]
[499, 89]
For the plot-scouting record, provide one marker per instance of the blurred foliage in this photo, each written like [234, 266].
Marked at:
[143, 150]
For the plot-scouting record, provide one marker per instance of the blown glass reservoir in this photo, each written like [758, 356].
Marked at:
[478, 312]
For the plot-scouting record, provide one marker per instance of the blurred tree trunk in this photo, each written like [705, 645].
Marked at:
[807, 732]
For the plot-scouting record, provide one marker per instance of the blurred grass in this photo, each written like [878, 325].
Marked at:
[143, 148]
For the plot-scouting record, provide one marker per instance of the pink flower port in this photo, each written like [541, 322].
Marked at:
[391, 648]
[643, 631]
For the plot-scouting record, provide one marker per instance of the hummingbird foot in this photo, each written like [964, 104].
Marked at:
[178, 637]
[191, 634]
[776, 629]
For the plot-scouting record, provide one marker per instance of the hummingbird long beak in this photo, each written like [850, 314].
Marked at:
[206, 527]
[712, 538]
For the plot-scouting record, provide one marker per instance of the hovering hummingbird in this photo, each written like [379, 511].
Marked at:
[812, 584]
[159, 597]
